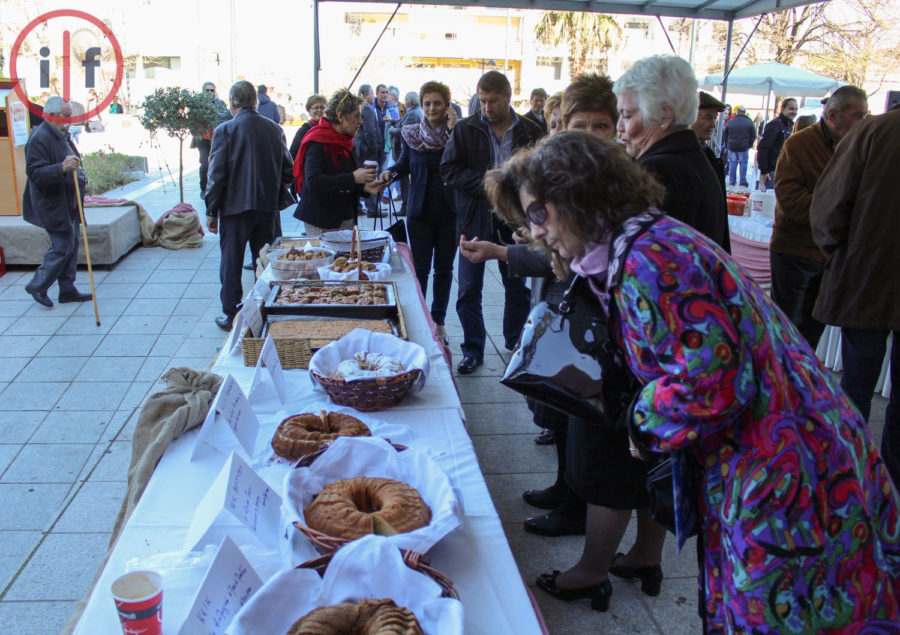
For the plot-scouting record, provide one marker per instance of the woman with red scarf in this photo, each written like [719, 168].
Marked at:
[327, 175]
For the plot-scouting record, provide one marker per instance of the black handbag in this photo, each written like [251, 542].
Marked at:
[566, 359]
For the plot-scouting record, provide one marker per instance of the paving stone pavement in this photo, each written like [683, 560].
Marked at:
[70, 393]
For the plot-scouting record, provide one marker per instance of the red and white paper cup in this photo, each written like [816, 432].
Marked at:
[138, 597]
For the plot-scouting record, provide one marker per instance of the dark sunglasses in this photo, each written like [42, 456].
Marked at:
[210, 90]
[536, 213]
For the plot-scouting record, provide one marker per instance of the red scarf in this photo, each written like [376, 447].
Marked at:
[336, 145]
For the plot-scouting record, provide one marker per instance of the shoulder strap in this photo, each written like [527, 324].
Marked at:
[622, 242]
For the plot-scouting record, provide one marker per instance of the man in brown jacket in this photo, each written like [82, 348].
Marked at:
[855, 222]
[797, 263]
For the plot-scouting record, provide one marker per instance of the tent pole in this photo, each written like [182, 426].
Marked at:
[725, 71]
[317, 62]
[372, 50]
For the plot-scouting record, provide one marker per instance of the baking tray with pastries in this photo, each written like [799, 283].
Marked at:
[321, 329]
[295, 242]
[347, 298]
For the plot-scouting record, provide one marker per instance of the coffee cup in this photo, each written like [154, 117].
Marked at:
[138, 598]
[372, 165]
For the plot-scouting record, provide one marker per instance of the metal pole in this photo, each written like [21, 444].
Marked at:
[725, 72]
[317, 60]
[372, 50]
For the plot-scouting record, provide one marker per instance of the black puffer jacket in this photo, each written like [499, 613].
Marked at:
[466, 159]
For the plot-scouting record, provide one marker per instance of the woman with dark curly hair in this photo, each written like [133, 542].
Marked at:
[799, 522]
[327, 176]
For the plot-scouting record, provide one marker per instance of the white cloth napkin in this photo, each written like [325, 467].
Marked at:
[349, 457]
[367, 568]
[410, 354]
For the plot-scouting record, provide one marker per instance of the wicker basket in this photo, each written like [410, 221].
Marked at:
[293, 352]
[412, 559]
[366, 395]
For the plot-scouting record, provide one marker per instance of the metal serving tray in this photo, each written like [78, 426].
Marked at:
[387, 310]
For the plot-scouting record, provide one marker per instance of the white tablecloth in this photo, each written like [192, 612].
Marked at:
[476, 556]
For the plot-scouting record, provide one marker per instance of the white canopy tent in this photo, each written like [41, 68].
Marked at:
[762, 79]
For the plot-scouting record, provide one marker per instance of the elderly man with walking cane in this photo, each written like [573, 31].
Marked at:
[51, 201]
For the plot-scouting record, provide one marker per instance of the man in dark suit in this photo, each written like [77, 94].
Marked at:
[369, 141]
[50, 202]
[536, 114]
[704, 125]
[250, 172]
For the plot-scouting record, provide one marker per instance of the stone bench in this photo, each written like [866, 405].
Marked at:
[112, 232]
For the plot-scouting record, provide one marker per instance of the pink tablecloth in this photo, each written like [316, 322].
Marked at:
[753, 256]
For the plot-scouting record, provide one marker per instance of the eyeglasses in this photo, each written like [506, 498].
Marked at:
[210, 90]
[536, 213]
[317, 107]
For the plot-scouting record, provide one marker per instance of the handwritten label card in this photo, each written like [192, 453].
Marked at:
[240, 492]
[237, 333]
[230, 582]
[269, 357]
[252, 317]
[260, 290]
[230, 417]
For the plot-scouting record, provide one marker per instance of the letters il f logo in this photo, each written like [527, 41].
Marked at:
[89, 63]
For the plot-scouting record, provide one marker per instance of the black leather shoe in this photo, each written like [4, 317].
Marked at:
[651, 577]
[74, 296]
[249, 267]
[548, 498]
[599, 594]
[546, 437]
[468, 365]
[225, 322]
[554, 524]
[40, 297]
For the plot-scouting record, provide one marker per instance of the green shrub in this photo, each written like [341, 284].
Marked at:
[105, 171]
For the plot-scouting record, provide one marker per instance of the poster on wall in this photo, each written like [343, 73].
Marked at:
[18, 113]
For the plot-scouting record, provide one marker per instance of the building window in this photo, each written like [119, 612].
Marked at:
[553, 62]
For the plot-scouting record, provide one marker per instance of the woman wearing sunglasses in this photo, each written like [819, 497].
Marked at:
[799, 522]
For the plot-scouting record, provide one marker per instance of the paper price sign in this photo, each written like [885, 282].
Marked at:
[269, 357]
[235, 420]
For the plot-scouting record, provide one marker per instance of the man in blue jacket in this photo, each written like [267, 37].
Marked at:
[477, 144]
[740, 135]
[250, 172]
[50, 202]
[267, 107]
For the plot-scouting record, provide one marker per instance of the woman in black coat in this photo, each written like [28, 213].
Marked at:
[315, 106]
[431, 216]
[327, 175]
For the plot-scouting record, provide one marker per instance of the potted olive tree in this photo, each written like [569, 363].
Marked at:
[181, 113]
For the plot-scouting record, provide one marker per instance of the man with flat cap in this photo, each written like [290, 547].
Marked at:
[704, 125]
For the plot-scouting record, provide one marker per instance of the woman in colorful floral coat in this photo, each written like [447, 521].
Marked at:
[799, 525]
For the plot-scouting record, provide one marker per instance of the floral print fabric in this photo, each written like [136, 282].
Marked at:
[799, 517]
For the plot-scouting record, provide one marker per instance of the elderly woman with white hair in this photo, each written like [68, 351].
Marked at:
[657, 101]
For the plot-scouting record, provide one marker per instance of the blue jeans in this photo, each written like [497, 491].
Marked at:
[735, 158]
[516, 305]
[862, 351]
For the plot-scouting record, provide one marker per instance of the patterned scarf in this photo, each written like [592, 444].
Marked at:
[422, 138]
[336, 145]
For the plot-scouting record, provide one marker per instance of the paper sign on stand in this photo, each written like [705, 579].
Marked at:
[241, 492]
[230, 582]
[248, 317]
[270, 363]
[235, 421]
[260, 290]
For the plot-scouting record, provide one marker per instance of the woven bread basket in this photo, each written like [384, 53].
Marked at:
[375, 393]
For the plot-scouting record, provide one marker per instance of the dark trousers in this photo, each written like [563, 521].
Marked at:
[435, 238]
[60, 262]
[404, 192]
[517, 301]
[795, 287]
[203, 146]
[862, 351]
[234, 232]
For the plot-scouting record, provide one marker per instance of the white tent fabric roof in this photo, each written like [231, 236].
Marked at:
[706, 9]
[759, 79]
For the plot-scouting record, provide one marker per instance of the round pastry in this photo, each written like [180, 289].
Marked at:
[381, 617]
[303, 434]
[365, 365]
[354, 507]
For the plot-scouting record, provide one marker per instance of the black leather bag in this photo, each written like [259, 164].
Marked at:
[566, 359]
[661, 485]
